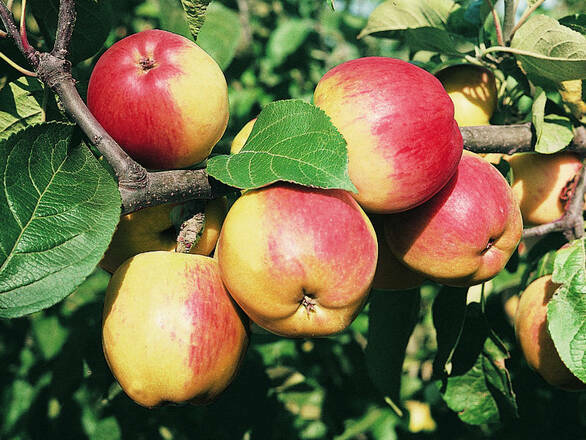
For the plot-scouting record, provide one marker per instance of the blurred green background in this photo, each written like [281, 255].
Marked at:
[54, 382]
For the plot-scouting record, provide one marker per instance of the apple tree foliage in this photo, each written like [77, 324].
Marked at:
[451, 350]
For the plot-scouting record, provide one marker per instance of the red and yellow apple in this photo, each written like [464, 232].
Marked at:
[151, 229]
[533, 335]
[398, 121]
[171, 332]
[390, 273]
[299, 261]
[466, 233]
[473, 90]
[241, 137]
[161, 97]
[541, 183]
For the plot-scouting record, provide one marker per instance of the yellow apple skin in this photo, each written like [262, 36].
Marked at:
[390, 273]
[151, 229]
[465, 234]
[473, 91]
[299, 261]
[241, 137]
[535, 340]
[538, 183]
[171, 332]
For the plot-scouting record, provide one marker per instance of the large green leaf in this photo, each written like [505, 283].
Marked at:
[59, 208]
[549, 50]
[20, 105]
[567, 308]
[291, 141]
[220, 34]
[92, 25]
[425, 23]
[392, 317]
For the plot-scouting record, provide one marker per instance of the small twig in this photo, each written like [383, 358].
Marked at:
[244, 16]
[23, 36]
[16, 66]
[497, 24]
[509, 19]
[524, 17]
[572, 222]
[65, 26]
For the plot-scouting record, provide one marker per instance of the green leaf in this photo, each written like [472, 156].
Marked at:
[195, 13]
[550, 50]
[92, 25]
[20, 105]
[449, 312]
[220, 34]
[567, 308]
[426, 24]
[576, 22]
[392, 317]
[554, 135]
[479, 387]
[538, 109]
[287, 38]
[291, 141]
[59, 208]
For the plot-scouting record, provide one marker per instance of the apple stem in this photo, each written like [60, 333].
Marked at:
[309, 303]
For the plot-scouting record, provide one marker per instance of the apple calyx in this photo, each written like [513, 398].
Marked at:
[147, 63]
[488, 246]
[308, 302]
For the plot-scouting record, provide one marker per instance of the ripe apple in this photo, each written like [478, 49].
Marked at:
[473, 90]
[533, 335]
[540, 184]
[466, 233]
[151, 229]
[171, 332]
[299, 261]
[241, 137]
[398, 121]
[390, 273]
[161, 97]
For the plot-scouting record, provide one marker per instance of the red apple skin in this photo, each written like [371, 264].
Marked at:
[533, 335]
[161, 97]
[171, 332]
[299, 261]
[466, 233]
[398, 121]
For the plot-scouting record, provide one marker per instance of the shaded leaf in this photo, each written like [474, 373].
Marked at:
[392, 318]
[567, 308]
[20, 105]
[550, 50]
[449, 312]
[59, 208]
[291, 141]
[92, 25]
[576, 22]
[220, 34]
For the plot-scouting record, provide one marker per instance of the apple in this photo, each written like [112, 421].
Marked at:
[241, 137]
[466, 233]
[398, 121]
[533, 335]
[171, 332]
[299, 261]
[473, 90]
[161, 97]
[541, 183]
[390, 273]
[151, 229]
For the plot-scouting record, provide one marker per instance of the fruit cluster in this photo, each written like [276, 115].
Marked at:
[297, 261]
